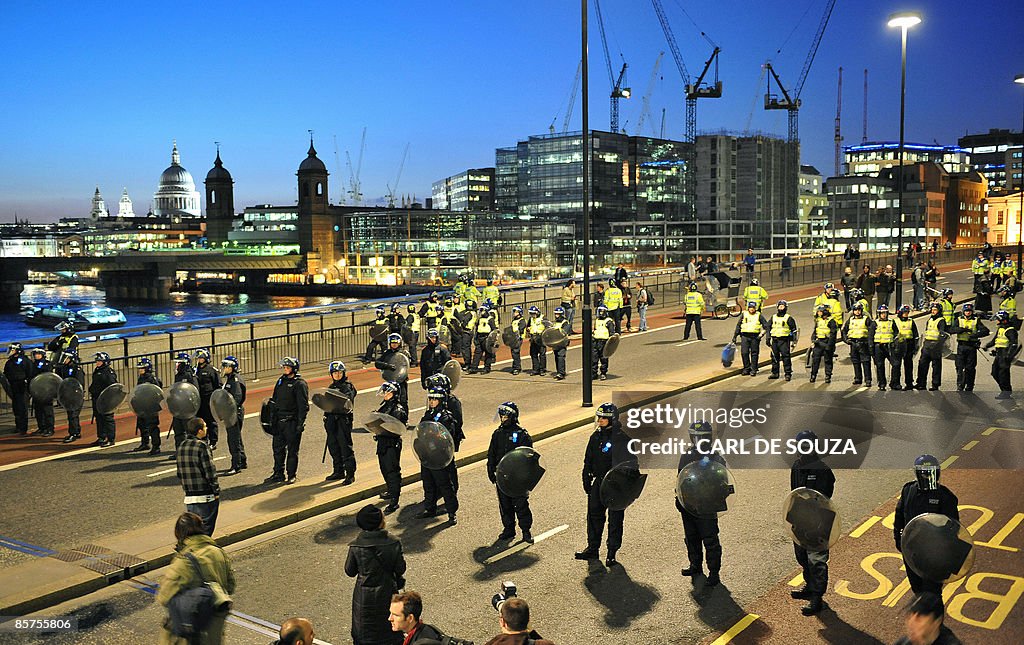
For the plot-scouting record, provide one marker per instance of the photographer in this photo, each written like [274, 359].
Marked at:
[514, 618]
[406, 609]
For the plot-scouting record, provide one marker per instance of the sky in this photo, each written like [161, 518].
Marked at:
[94, 92]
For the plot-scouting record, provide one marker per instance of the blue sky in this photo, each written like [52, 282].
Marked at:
[93, 93]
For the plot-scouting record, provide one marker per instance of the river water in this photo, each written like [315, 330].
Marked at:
[183, 307]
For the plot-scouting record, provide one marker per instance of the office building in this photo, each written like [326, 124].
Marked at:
[869, 159]
[997, 156]
[1002, 216]
[470, 190]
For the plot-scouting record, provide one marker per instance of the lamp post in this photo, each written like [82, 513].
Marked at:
[1019, 79]
[904, 20]
[588, 378]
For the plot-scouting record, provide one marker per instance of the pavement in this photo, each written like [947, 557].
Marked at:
[129, 503]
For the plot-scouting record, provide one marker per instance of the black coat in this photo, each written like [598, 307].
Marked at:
[809, 471]
[393, 408]
[606, 448]
[914, 502]
[375, 560]
[432, 359]
[17, 369]
[208, 380]
[505, 439]
[102, 378]
[185, 374]
[292, 397]
[236, 388]
[151, 378]
[346, 389]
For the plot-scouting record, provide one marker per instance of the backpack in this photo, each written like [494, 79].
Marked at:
[650, 297]
[190, 610]
[451, 640]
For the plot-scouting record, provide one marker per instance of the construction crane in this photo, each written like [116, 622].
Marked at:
[645, 110]
[790, 101]
[838, 138]
[572, 102]
[398, 178]
[864, 133]
[618, 90]
[355, 188]
[337, 169]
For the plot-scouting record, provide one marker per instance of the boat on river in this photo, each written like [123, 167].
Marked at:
[84, 319]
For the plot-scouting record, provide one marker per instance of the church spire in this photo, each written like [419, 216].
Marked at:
[175, 157]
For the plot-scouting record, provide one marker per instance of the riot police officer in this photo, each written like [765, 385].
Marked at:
[385, 363]
[43, 410]
[483, 324]
[782, 336]
[701, 531]
[491, 293]
[969, 330]
[693, 305]
[208, 380]
[438, 482]
[809, 471]
[858, 297]
[375, 343]
[412, 322]
[148, 427]
[823, 342]
[67, 341]
[454, 405]
[1006, 343]
[935, 335]
[538, 351]
[604, 327]
[749, 329]
[884, 336]
[755, 293]
[508, 436]
[235, 386]
[389, 446]
[433, 357]
[946, 302]
[468, 320]
[291, 394]
[183, 373]
[429, 312]
[102, 378]
[338, 426]
[904, 349]
[559, 352]
[856, 333]
[605, 449]
[17, 371]
[69, 367]
[613, 302]
[518, 325]
[396, 319]
[923, 495]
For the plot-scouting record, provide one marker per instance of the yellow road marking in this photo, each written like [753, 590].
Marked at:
[797, 581]
[949, 461]
[970, 444]
[740, 625]
[863, 528]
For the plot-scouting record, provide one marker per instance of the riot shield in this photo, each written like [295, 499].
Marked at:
[110, 398]
[224, 408]
[622, 486]
[947, 346]
[433, 445]
[146, 400]
[937, 548]
[183, 400]
[43, 387]
[444, 335]
[519, 472]
[399, 368]
[492, 342]
[379, 423]
[6, 385]
[554, 337]
[71, 394]
[452, 370]
[379, 331]
[509, 336]
[811, 519]
[702, 487]
[332, 401]
[610, 346]
[267, 413]
[408, 335]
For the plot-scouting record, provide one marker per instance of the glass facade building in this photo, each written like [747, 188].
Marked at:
[471, 190]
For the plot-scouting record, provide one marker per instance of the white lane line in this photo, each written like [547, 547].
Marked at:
[688, 342]
[522, 546]
[422, 407]
[62, 455]
[171, 470]
[251, 415]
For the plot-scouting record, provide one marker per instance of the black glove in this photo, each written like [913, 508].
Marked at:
[491, 477]
[588, 484]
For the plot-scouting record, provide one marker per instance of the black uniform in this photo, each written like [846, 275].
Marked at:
[185, 374]
[339, 432]
[102, 378]
[781, 346]
[860, 350]
[538, 354]
[516, 347]
[208, 380]
[509, 436]
[931, 356]
[374, 345]
[606, 448]
[17, 370]
[903, 359]
[42, 410]
[432, 359]
[914, 502]
[700, 532]
[598, 361]
[385, 363]
[73, 371]
[389, 450]
[292, 397]
[823, 347]
[235, 386]
[882, 350]
[149, 427]
[438, 483]
[968, 342]
[1003, 357]
[560, 353]
[483, 325]
[454, 405]
[809, 471]
[63, 343]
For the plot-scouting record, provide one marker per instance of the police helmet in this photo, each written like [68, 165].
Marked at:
[754, 282]
[289, 361]
[517, 310]
[433, 295]
[903, 310]
[439, 310]
[883, 308]
[69, 357]
[510, 410]
[182, 358]
[388, 386]
[693, 286]
[1005, 290]
[701, 430]
[65, 325]
[612, 282]
[437, 393]
[394, 338]
[947, 292]
[751, 304]
[936, 305]
[602, 311]
[449, 301]
[203, 354]
[1003, 316]
[856, 294]
[559, 311]
[834, 294]
[144, 363]
[230, 361]
[439, 380]
[782, 304]
[395, 307]
[432, 334]
[379, 310]
[968, 308]
[14, 348]
[607, 411]
[489, 303]
[829, 286]
[824, 309]
[534, 310]
[39, 350]
[806, 435]
[98, 356]
[336, 366]
[411, 308]
[859, 307]
[926, 470]
[470, 303]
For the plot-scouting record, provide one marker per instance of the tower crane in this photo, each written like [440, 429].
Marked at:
[645, 111]
[392, 189]
[618, 91]
[838, 137]
[864, 133]
[355, 188]
[790, 101]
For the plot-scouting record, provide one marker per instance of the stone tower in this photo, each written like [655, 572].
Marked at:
[220, 202]
[316, 232]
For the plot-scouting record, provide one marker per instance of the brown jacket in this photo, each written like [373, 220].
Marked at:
[216, 567]
[515, 639]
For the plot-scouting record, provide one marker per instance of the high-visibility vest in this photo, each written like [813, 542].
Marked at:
[757, 294]
[978, 266]
[780, 326]
[612, 298]
[885, 331]
[460, 290]
[836, 310]
[822, 299]
[822, 329]
[947, 311]
[751, 323]
[857, 328]
[491, 293]
[537, 324]
[694, 303]
[431, 310]
[472, 293]
[1009, 305]
[483, 325]
[968, 325]
[1008, 267]
[601, 331]
[1001, 341]
[931, 330]
[906, 328]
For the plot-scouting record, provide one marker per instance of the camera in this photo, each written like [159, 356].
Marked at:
[507, 590]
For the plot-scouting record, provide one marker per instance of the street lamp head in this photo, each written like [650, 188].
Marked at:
[904, 19]
[1019, 78]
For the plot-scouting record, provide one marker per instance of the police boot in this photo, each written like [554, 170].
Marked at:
[587, 554]
[692, 570]
[507, 534]
[867, 382]
[800, 594]
[527, 536]
[814, 606]
[610, 561]
[713, 579]
[142, 447]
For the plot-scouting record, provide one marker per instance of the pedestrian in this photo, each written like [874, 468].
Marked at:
[604, 328]
[597, 297]
[931, 276]
[810, 471]
[338, 426]
[606, 448]
[856, 332]
[917, 281]
[856, 255]
[823, 341]
[183, 373]
[620, 273]
[518, 325]
[782, 335]
[693, 310]
[69, 367]
[885, 285]
[748, 262]
[148, 426]
[560, 352]
[749, 330]
[197, 475]
[296, 631]
[376, 561]
[197, 561]
[389, 446]
[291, 394]
[405, 616]
[691, 270]
[969, 332]
[849, 283]
[102, 378]
[569, 302]
[925, 622]
[643, 301]
[627, 304]
[538, 351]
[42, 409]
[983, 290]
[884, 335]
[712, 266]
[514, 620]
[235, 386]
[208, 381]
[923, 495]
[387, 362]
[700, 532]
[848, 255]
[1006, 344]
[786, 268]
[867, 282]
[934, 336]
[437, 482]
[508, 436]
[613, 302]
[17, 371]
